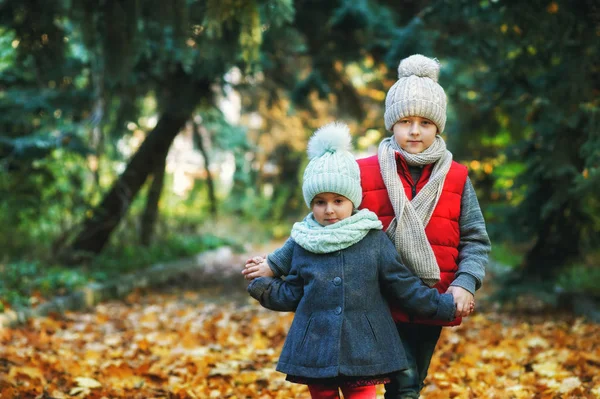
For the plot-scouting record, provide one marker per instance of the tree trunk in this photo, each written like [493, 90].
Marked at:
[97, 229]
[212, 198]
[150, 215]
[181, 95]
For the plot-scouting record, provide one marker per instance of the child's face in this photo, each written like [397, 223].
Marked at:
[414, 134]
[330, 208]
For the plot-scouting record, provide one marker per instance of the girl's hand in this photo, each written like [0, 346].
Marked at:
[257, 267]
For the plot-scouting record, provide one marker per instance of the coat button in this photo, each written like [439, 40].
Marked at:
[338, 310]
[337, 281]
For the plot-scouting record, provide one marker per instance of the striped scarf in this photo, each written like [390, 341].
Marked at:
[407, 229]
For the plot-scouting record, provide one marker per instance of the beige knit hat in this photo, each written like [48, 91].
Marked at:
[416, 93]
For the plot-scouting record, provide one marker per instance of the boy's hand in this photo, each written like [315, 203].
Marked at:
[257, 267]
[464, 300]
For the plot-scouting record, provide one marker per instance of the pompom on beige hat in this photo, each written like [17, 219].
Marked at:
[416, 93]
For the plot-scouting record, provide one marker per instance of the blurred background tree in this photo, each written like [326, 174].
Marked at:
[136, 123]
[529, 92]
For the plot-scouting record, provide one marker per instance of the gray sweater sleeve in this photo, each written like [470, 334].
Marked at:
[280, 260]
[474, 246]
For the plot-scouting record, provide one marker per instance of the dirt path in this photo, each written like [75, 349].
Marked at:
[204, 338]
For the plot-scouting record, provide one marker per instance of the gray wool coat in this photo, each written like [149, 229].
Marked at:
[342, 324]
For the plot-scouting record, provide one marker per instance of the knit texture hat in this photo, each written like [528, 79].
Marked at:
[416, 93]
[332, 168]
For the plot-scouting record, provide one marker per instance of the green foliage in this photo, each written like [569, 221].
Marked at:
[40, 41]
[522, 293]
[521, 81]
[24, 283]
[127, 258]
[7, 52]
[278, 12]
[507, 255]
[580, 279]
[247, 14]
[573, 280]
[224, 135]
[45, 200]
[74, 79]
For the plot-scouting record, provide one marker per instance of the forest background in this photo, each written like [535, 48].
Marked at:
[140, 131]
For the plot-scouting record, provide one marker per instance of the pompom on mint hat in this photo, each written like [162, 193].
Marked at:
[416, 93]
[332, 168]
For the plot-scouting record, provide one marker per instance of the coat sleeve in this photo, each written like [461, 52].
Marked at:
[280, 260]
[276, 293]
[407, 290]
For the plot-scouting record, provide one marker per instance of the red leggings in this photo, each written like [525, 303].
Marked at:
[321, 392]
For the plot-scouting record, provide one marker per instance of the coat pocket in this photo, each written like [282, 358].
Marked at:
[371, 327]
[305, 334]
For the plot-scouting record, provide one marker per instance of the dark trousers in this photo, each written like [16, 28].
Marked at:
[419, 342]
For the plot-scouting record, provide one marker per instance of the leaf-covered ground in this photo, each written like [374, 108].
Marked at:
[218, 344]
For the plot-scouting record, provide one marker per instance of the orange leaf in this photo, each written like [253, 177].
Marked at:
[31, 372]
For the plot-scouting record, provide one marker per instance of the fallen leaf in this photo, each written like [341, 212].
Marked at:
[85, 382]
[188, 346]
[31, 372]
[569, 385]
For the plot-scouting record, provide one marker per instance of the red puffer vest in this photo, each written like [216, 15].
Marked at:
[442, 230]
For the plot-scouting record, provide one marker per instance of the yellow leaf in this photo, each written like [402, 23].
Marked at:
[58, 395]
[84, 382]
[80, 390]
[247, 377]
[569, 384]
[546, 369]
[537, 342]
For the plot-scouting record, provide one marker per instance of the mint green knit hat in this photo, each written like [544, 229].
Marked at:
[332, 168]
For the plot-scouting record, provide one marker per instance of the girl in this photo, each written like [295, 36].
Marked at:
[343, 335]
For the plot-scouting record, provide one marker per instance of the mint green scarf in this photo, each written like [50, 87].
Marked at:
[313, 237]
